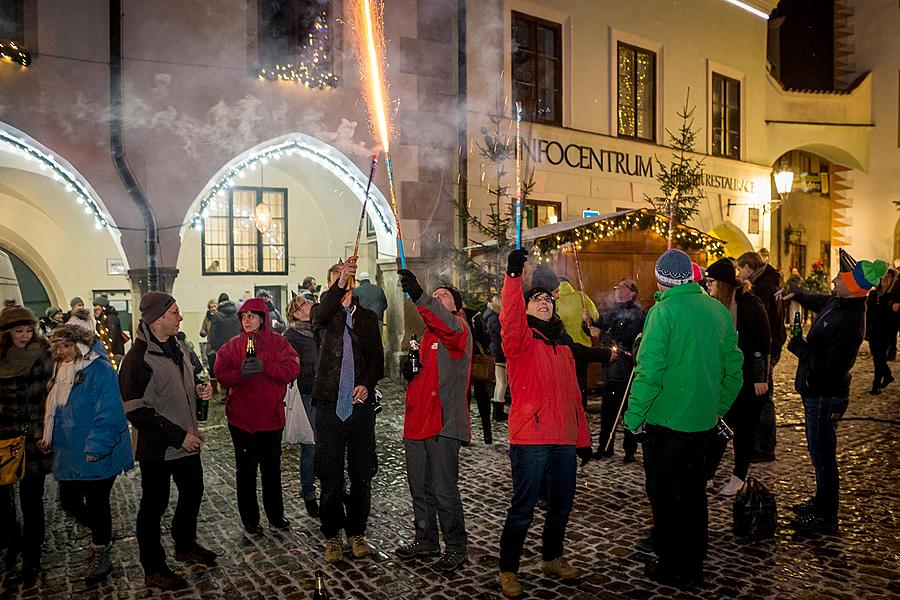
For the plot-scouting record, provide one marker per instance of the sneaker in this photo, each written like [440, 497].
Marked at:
[165, 580]
[450, 561]
[509, 583]
[416, 550]
[360, 547]
[282, 524]
[334, 549]
[733, 486]
[312, 507]
[197, 554]
[100, 567]
[813, 523]
[561, 568]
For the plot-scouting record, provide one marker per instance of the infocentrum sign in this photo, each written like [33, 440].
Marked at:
[579, 156]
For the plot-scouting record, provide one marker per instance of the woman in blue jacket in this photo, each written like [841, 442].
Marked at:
[85, 426]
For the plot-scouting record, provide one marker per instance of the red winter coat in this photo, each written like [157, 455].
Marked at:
[546, 402]
[257, 403]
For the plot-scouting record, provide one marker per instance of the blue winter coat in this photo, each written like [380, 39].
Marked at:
[92, 423]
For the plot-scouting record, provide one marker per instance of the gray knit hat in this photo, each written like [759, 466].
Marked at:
[674, 268]
[544, 277]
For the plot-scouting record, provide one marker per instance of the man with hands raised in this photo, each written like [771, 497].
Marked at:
[436, 424]
[351, 362]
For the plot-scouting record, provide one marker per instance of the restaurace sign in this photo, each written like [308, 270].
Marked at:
[578, 156]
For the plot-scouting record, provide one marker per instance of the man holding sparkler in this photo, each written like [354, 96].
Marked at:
[351, 361]
[436, 424]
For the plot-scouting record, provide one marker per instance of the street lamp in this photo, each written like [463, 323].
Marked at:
[784, 181]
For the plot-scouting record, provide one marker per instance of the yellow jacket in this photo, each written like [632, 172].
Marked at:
[569, 308]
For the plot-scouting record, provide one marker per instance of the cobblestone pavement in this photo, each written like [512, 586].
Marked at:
[610, 516]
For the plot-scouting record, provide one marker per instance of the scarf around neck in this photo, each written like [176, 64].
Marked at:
[19, 361]
[552, 329]
[66, 376]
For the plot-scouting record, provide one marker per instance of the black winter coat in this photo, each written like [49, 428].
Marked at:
[829, 350]
[881, 320]
[22, 400]
[110, 318]
[753, 339]
[765, 286]
[300, 337]
[492, 323]
[223, 325]
[328, 321]
[623, 321]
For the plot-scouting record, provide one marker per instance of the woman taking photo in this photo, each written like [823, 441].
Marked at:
[85, 425]
[754, 336]
[25, 369]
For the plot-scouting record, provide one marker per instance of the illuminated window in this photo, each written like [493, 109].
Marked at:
[636, 92]
[541, 212]
[726, 116]
[232, 243]
[537, 68]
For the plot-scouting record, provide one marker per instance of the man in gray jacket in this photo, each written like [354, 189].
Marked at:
[370, 296]
[436, 424]
[160, 393]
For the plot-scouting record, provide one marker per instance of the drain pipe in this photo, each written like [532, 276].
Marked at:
[118, 147]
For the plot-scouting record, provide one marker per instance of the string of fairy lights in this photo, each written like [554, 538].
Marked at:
[644, 219]
[105, 339]
[13, 53]
[313, 70]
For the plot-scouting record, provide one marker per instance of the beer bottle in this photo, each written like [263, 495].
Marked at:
[797, 327]
[321, 593]
[251, 348]
[203, 405]
[414, 361]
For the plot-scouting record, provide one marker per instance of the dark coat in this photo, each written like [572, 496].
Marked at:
[881, 320]
[329, 320]
[622, 323]
[223, 325]
[829, 350]
[372, 297]
[275, 318]
[300, 337]
[492, 323]
[753, 339]
[22, 409]
[764, 287]
[110, 318]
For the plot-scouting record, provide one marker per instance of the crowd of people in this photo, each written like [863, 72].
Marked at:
[703, 354]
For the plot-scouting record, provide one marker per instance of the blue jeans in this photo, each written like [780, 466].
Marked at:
[532, 465]
[822, 416]
[308, 455]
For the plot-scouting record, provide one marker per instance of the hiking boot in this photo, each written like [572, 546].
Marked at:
[360, 547]
[733, 486]
[197, 554]
[165, 579]
[416, 550]
[334, 549]
[450, 561]
[101, 565]
[813, 523]
[312, 507]
[561, 568]
[509, 583]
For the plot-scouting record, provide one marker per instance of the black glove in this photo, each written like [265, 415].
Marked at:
[406, 370]
[515, 264]
[251, 366]
[584, 454]
[410, 285]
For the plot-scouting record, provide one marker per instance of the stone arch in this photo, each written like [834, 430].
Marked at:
[736, 241]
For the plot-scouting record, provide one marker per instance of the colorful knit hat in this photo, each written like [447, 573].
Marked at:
[674, 268]
[860, 277]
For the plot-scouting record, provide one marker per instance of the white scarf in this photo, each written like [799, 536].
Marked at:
[64, 379]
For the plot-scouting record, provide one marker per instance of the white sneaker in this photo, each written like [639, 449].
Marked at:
[732, 487]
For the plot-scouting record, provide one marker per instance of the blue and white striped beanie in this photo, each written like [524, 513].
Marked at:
[674, 268]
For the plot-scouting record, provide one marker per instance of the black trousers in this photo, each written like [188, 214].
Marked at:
[676, 486]
[156, 478]
[88, 503]
[353, 440]
[743, 418]
[260, 450]
[432, 471]
[612, 399]
[482, 392]
[31, 499]
[581, 370]
[879, 349]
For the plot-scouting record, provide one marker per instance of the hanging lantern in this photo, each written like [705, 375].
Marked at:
[262, 217]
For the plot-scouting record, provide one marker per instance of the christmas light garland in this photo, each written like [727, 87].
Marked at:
[13, 53]
[103, 332]
[642, 220]
[60, 174]
[311, 72]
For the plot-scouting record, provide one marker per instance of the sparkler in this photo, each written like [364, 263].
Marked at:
[369, 28]
[362, 217]
[518, 175]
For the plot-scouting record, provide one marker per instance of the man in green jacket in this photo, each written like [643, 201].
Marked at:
[687, 375]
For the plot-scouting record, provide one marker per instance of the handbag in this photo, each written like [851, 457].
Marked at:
[12, 460]
[755, 512]
[482, 368]
[297, 428]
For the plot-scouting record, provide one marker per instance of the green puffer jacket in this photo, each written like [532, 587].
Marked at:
[688, 366]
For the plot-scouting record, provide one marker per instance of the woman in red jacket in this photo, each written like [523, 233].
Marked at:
[256, 367]
[546, 423]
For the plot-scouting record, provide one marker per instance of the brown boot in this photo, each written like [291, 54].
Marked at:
[561, 568]
[509, 583]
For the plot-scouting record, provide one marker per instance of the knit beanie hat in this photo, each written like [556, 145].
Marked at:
[698, 272]
[52, 312]
[154, 305]
[674, 268]
[723, 270]
[223, 297]
[101, 301]
[75, 301]
[862, 276]
[15, 316]
[544, 277]
[457, 297]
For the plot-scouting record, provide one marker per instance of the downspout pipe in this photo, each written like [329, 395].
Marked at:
[462, 126]
[117, 146]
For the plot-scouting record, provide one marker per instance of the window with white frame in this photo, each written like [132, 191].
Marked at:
[636, 85]
[726, 116]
